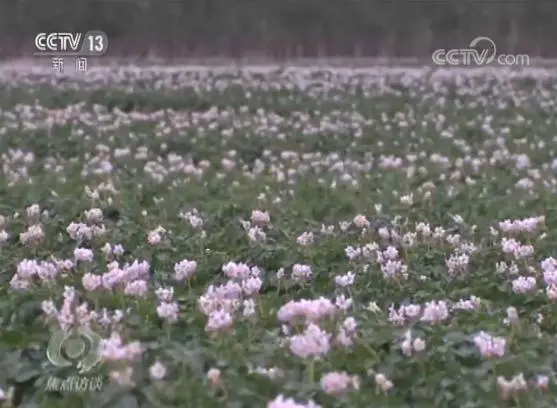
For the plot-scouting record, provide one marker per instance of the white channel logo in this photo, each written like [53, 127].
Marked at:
[77, 347]
[480, 51]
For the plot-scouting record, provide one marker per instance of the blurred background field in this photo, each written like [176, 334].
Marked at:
[285, 30]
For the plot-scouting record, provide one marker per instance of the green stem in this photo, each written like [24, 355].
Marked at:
[168, 332]
[311, 371]
[354, 307]
[258, 301]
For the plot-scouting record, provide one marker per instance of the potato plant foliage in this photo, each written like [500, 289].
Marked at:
[281, 238]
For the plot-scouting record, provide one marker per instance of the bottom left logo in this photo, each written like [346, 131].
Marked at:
[79, 347]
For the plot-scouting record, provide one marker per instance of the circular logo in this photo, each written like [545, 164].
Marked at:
[488, 49]
[77, 347]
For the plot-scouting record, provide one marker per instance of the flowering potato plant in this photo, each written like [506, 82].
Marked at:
[300, 238]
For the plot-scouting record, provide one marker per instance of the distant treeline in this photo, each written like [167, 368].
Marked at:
[285, 28]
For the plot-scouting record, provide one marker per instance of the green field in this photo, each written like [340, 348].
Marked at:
[225, 238]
